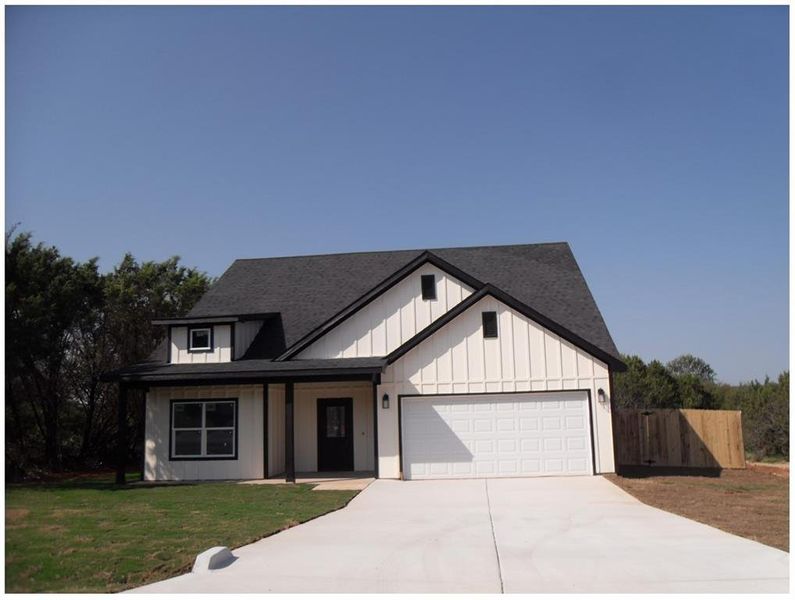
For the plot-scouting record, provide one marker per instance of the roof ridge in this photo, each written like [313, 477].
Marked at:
[419, 250]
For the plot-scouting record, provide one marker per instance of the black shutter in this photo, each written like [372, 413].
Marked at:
[489, 324]
[428, 287]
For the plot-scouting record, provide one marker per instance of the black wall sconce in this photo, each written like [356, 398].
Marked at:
[385, 401]
[600, 394]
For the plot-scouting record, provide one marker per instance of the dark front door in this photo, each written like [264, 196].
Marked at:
[334, 434]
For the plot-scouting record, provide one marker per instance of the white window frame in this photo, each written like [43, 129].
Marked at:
[203, 429]
[208, 348]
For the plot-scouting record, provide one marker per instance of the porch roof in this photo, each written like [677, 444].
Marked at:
[252, 370]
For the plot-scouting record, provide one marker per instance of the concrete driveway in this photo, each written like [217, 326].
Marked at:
[573, 534]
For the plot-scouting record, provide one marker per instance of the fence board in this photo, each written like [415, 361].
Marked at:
[680, 438]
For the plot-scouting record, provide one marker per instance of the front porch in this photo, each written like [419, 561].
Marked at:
[282, 426]
[254, 419]
[320, 431]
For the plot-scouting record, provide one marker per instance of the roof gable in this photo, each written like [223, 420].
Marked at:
[383, 321]
[489, 290]
[310, 291]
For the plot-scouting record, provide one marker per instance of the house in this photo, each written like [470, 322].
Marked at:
[456, 362]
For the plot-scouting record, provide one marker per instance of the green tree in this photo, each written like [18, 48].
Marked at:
[122, 334]
[65, 325]
[47, 295]
[694, 393]
[689, 365]
[630, 390]
[765, 410]
[662, 390]
[695, 379]
[645, 386]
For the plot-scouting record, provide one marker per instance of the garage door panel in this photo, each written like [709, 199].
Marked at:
[553, 445]
[575, 423]
[496, 435]
[484, 426]
[576, 464]
[551, 424]
[484, 446]
[575, 443]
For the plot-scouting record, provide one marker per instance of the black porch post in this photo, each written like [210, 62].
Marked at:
[375, 424]
[289, 434]
[266, 438]
[121, 449]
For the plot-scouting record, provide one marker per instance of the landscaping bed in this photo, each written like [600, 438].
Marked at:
[747, 502]
[89, 535]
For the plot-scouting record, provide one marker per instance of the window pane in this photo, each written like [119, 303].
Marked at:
[200, 338]
[220, 414]
[187, 415]
[187, 443]
[335, 421]
[220, 441]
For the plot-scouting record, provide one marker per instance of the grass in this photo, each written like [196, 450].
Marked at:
[88, 535]
[746, 502]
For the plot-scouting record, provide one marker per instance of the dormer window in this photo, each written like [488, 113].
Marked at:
[200, 339]
[428, 287]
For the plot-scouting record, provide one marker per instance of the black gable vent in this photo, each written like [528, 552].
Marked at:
[429, 287]
[489, 324]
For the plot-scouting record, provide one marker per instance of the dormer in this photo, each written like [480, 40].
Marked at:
[194, 340]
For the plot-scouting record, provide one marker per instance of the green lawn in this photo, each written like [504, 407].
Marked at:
[88, 535]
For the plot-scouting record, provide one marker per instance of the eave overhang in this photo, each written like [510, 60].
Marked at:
[212, 320]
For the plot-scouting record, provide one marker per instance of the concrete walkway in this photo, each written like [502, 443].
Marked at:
[577, 534]
[349, 480]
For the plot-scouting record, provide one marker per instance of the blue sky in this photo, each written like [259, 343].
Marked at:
[654, 140]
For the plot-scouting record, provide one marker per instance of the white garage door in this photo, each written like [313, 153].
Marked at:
[496, 435]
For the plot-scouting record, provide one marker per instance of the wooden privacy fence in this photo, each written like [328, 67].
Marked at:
[679, 438]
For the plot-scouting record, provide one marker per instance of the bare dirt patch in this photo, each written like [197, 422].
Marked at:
[746, 502]
[780, 469]
[61, 513]
[14, 515]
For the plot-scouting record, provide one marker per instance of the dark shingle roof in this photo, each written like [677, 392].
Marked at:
[154, 371]
[309, 290]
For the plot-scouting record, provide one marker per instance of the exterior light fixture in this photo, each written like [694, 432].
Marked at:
[600, 394]
[385, 401]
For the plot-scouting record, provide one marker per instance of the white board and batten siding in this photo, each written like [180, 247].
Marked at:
[248, 465]
[306, 396]
[222, 346]
[275, 428]
[245, 332]
[524, 357]
[250, 432]
[392, 319]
